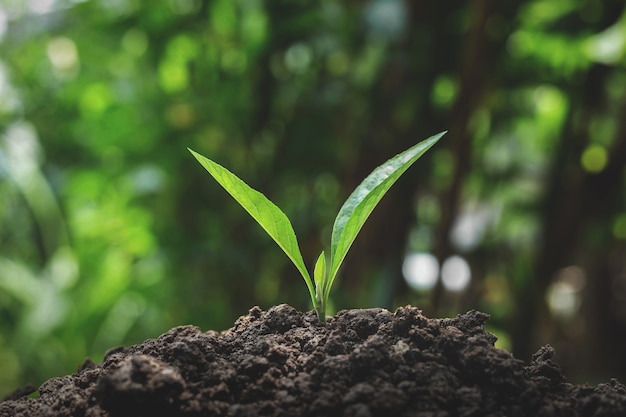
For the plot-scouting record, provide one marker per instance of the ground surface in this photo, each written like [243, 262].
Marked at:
[285, 363]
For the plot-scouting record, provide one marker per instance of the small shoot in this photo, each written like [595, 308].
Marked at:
[349, 221]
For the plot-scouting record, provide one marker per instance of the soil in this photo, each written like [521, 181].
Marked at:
[283, 362]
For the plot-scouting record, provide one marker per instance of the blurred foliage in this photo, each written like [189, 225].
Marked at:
[110, 233]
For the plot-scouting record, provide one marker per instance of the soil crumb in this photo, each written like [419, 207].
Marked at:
[283, 362]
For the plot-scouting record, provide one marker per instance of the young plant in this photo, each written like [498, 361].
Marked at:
[348, 223]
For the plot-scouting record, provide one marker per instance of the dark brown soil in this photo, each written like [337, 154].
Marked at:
[285, 363]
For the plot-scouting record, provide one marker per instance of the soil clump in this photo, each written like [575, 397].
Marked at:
[283, 362]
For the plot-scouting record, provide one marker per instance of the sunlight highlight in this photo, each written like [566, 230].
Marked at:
[564, 296]
[41, 6]
[594, 159]
[63, 56]
[420, 271]
[4, 23]
[455, 274]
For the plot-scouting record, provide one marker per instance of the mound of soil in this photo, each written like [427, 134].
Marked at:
[285, 363]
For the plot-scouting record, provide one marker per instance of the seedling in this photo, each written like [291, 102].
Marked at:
[348, 223]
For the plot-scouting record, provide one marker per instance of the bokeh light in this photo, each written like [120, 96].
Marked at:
[455, 274]
[420, 270]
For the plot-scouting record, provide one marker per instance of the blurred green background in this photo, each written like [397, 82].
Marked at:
[111, 233]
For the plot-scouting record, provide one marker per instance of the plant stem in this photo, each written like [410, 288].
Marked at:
[320, 306]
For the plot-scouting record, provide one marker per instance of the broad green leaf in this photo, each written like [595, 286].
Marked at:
[362, 201]
[267, 214]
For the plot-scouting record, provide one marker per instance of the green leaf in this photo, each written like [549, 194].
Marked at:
[319, 273]
[319, 276]
[362, 201]
[267, 214]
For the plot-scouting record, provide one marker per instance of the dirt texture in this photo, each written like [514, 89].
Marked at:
[283, 362]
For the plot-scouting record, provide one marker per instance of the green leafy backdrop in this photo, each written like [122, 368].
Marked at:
[110, 232]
